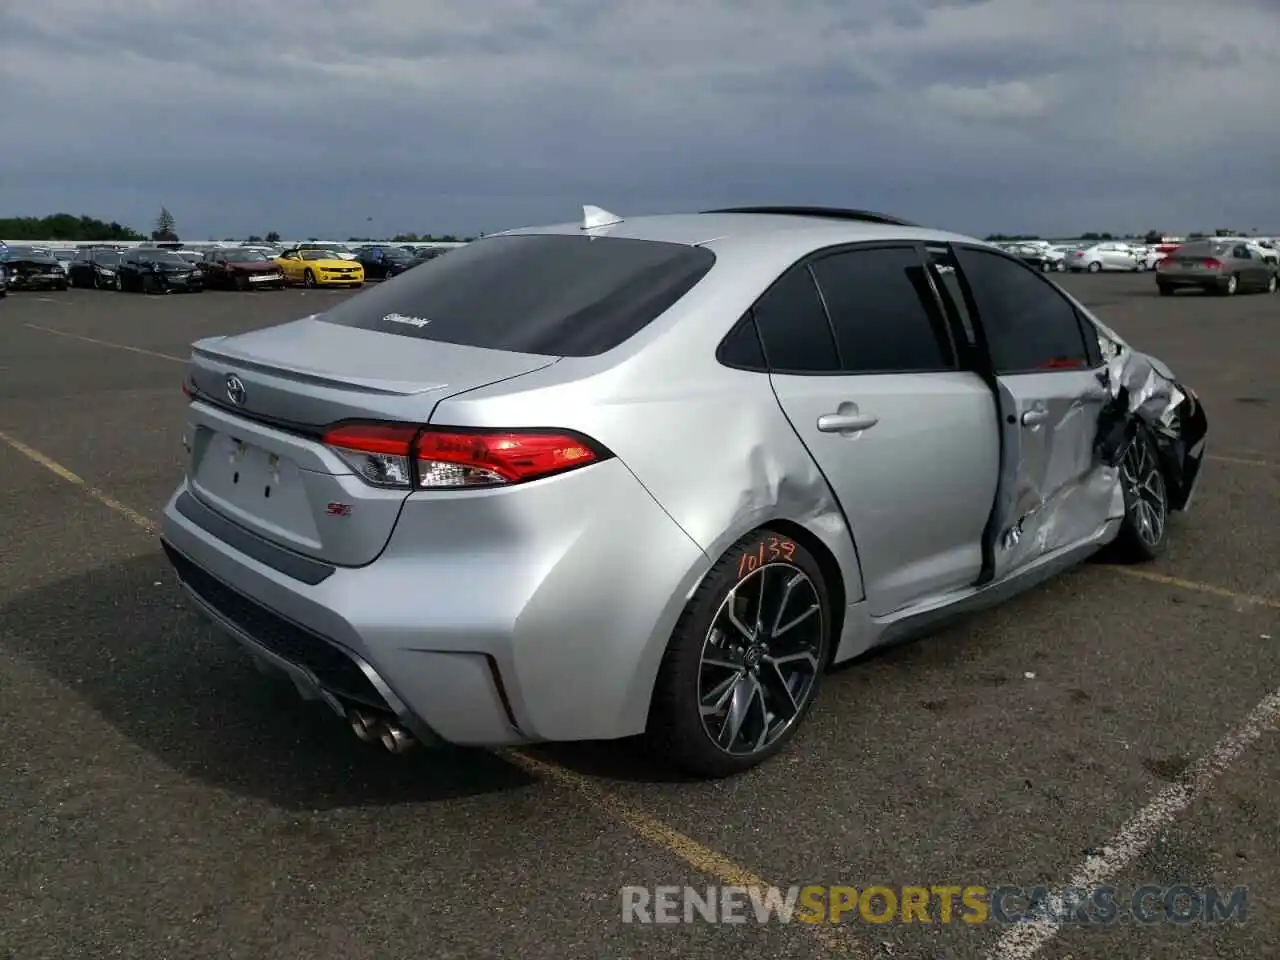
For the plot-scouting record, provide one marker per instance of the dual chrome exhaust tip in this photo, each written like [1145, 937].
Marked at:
[373, 728]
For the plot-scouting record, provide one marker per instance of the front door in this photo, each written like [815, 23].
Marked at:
[867, 374]
[1052, 388]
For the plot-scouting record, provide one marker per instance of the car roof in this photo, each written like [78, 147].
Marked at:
[728, 232]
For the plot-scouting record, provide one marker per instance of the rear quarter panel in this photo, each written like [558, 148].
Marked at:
[710, 443]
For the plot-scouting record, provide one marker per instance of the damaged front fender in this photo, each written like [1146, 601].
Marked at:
[1143, 392]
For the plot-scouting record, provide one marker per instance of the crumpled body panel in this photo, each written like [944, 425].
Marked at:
[1045, 503]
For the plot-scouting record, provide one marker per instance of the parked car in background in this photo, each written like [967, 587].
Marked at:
[155, 270]
[654, 476]
[32, 268]
[382, 263]
[1267, 250]
[1043, 258]
[423, 254]
[94, 267]
[1216, 266]
[337, 251]
[317, 267]
[64, 256]
[1111, 255]
[240, 268]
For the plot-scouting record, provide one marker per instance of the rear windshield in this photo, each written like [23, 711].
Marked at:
[1201, 248]
[556, 295]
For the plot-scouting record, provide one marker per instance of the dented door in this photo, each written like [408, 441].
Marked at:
[1052, 494]
[1051, 388]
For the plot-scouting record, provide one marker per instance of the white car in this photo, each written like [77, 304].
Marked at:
[1108, 255]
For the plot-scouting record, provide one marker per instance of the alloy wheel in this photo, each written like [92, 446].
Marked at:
[760, 663]
[1148, 501]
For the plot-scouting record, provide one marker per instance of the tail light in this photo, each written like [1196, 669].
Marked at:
[1212, 263]
[403, 456]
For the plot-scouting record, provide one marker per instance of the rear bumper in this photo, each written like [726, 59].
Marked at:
[1210, 282]
[482, 623]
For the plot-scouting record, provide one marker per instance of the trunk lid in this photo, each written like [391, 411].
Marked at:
[260, 462]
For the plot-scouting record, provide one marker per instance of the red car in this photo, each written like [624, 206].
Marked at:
[241, 269]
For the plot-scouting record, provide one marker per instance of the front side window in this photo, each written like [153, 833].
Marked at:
[1030, 326]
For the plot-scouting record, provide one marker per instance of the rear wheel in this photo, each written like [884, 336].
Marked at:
[1095, 267]
[1231, 286]
[1146, 502]
[745, 661]
[1165, 290]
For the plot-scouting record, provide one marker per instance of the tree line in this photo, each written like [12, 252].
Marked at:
[85, 229]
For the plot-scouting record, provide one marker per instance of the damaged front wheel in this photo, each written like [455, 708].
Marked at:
[1146, 502]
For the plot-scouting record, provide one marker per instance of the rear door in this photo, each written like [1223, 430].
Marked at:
[1052, 387]
[865, 369]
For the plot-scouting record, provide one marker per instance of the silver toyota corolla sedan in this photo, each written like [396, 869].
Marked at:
[654, 475]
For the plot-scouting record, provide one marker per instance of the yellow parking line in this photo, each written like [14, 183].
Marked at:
[105, 343]
[700, 857]
[1244, 598]
[57, 469]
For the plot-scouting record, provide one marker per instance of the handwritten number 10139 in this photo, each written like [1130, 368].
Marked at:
[768, 550]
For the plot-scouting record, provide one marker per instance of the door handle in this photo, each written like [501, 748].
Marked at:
[846, 422]
[1033, 418]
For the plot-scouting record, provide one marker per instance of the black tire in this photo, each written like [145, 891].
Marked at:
[1272, 283]
[308, 279]
[1230, 288]
[1095, 267]
[120, 284]
[1142, 480]
[677, 731]
[1165, 289]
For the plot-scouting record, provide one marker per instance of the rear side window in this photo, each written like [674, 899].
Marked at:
[884, 312]
[555, 295]
[793, 326]
[1029, 325]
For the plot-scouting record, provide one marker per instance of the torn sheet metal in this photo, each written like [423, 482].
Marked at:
[1144, 393]
[1060, 481]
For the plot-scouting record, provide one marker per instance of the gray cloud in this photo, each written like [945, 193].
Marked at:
[451, 116]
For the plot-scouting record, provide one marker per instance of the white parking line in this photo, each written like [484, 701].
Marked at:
[1026, 940]
[105, 343]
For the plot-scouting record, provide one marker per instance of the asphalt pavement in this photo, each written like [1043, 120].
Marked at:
[160, 798]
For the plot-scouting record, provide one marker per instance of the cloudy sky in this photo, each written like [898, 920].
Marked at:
[341, 117]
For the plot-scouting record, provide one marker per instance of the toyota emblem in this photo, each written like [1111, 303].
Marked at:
[235, 390]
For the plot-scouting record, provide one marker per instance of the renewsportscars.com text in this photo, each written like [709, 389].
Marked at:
[942, 904]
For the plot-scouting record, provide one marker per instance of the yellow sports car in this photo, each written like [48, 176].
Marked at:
[319, 268]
